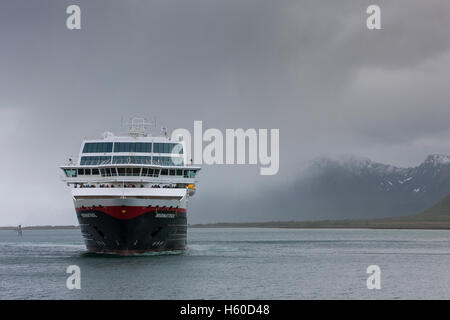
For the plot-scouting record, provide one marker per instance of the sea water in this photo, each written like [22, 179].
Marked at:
[233, 263]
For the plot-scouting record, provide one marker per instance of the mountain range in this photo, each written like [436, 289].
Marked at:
[358, 188]
[353, 188]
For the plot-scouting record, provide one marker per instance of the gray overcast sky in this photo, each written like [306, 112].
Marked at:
[309, 68]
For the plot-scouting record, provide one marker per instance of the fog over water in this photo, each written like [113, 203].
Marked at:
[310, 68]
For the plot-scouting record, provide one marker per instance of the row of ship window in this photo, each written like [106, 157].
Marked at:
[143, 172]
[148, 147]
[156, 160]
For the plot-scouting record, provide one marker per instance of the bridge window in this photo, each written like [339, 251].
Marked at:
[164, 172]
[162, 161]
[97, 147]
[71, 173]
[132, 159]
[127, 172]
[168, 161]
[189, 173]
[168, 148]
[150, 172]
[95, 160]
[133, 147]
[109, 172]
[177, 148]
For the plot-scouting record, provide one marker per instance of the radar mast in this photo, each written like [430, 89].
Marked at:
[137, 127]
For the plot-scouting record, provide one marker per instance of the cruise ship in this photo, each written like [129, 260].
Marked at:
[131, 192]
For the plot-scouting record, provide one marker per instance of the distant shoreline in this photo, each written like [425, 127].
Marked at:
[41, 228]
[322, 224]
[335, 224]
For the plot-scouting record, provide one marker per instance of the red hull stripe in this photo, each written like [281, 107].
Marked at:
[128, 212]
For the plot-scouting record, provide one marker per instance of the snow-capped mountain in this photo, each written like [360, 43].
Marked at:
[417, 179]
[351, 187]
[348, 188]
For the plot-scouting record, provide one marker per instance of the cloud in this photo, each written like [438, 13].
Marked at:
[309, 68]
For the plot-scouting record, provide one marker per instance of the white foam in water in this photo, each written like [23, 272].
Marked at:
[209, 249]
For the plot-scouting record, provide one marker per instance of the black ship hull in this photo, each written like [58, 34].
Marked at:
[132, 230]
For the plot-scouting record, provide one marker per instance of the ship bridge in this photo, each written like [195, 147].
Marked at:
[135, 160]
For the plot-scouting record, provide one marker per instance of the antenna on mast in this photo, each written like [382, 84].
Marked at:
[137, 127]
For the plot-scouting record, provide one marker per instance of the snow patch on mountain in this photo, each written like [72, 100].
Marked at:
[405, 180]
[437, 159]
